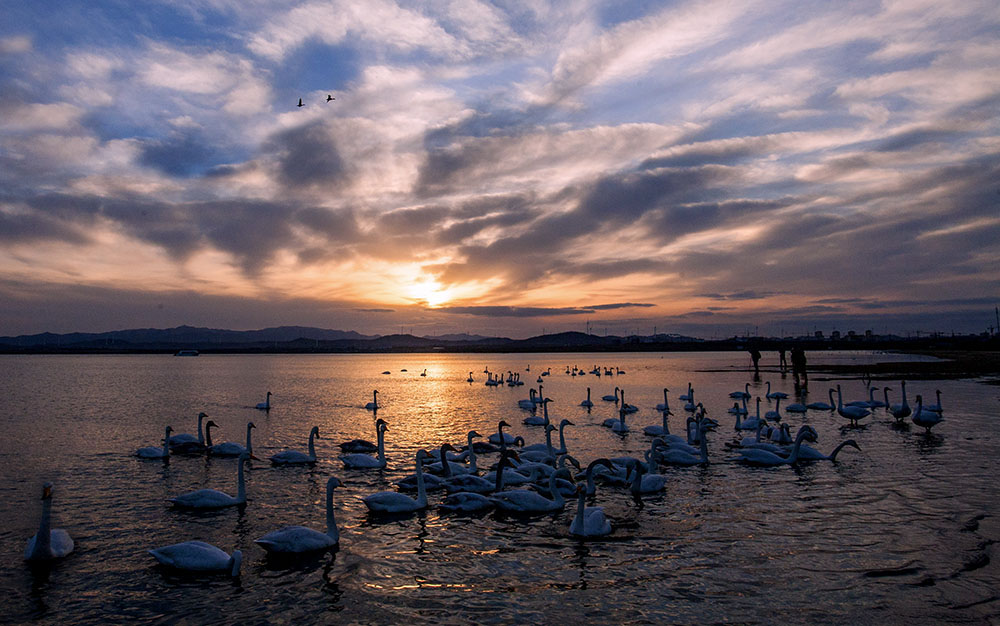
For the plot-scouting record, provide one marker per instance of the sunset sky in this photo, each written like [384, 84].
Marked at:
[500, 168]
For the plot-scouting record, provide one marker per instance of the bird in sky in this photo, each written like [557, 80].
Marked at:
[329, 97]
[300, 102]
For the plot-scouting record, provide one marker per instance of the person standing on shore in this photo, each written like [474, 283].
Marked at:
[799, 368]
[782, 363]
[755, 356]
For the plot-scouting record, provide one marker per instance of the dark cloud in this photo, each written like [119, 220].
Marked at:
[308, 156]
[183, 154]
[742, 295]
[375, 310]
[27, 228]
[511, 311]
[619, 305]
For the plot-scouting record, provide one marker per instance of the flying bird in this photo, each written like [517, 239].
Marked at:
[329, 97]
[300, 102]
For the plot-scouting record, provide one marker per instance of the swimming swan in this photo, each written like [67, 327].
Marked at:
[300, 539]
[153, 452]
[229, 448]
[395, 502]
[186, 442]
[365, 461]
[925, 419]
[213, 498]
[48, 543]
[853, 413]
[373, 405]
[294, 457]
[266, 404]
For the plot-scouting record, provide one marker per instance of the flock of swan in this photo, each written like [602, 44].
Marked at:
[525, 480]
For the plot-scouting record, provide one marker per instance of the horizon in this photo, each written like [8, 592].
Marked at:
[707, 169]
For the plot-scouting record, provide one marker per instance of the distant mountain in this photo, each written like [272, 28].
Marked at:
[457, 337]
[181, 336]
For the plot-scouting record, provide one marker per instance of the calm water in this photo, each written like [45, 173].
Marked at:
[900, 531]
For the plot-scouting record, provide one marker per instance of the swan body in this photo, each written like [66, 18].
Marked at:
[266, 404]
[925, 419]
[660, 430]
[687, 397]
[739, 395]
[934, 408]
[395, 502]
[644, 482]
[610, 397]
[676, 456]
[48, 543]
[153, 452]
[776, 413]
[466, 502]
[362, 445]
[751, 423]
[365, 461]
[300, 539]
[526, 501]
[617, 425]
[853, 413]
[529, 402]
[198, 556]
[796, 407]
[295, 457]
[587, 402]
[665, 405]
[808, 453]
[213, 498]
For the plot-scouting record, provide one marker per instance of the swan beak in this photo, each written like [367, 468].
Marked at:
[254, 457]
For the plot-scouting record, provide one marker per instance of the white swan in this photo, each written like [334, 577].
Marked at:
[300, 539]
[644, 481]
[186, 442]
[229, 448]
[628, 408]
[925, 419]
[617, 425]
[294, 457]
[741, 394]
[153, 452]
[589, 521]
[751, 423]
[587, 402]
[198, 556]
[48, 543]
[665, 405]
[901, 410]
[777, 394]
[807, 453]
[266, 404]
[611, 398]
[395, 502]
[686, 396]
[823, 406]
[373, 405]
[853, 413]
[213, 498]
[529, 402]
[364, 461]
[776, 413]
[676, 456]
[690, 405]
[934, 408]
[539, 420]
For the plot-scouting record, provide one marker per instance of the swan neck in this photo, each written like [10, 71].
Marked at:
[43, 540]
[166, 443]
[249, 445]
[208, 436]
[201, 437]
[380, 438]
[562, 438]
[557, 496]
[421, 489]
[312, 444]
[241, 487]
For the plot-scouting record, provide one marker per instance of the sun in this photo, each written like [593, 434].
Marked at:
[428, 291]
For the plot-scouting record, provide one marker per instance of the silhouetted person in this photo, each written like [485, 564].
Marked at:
[782, 363]
[799, 367]
[755, 356]
[329, 97]
[300, 103]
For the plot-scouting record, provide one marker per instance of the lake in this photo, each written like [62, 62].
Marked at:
[903, 530]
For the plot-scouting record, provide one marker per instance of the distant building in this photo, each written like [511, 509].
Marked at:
[852, 335]
[818, 334]
[835, 335]
[869, 335]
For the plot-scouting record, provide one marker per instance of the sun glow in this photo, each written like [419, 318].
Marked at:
[429, 291]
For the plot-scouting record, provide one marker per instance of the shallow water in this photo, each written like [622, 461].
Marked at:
[902, 530]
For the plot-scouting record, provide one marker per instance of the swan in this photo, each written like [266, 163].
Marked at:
[364, 461]
[198, 556]
[772, 396]
[266, 404]
[901, 410]
[529, 402]
[299, 539]
[925, 419]
[48, 543]
[229, 448]
[589, 521]
[610, 397]
[643, 481]
[213, 498]
[853, 413]
[617, 425]
[294, 457]
[741, 394]
[776, 413]
[542, 420]
[562, 439]
[691, 405]
[675, 456]
[686, 396]
[628, 408]
[186, 442]
[470, 379]
[807, 453]
[446, 468]
[823, 406]
[781, 435]
[153, 452]
[500, 437]
[796, 407]
[471, 498]
[424, 373]
[934, 408]
[757, 456]
[526, 501]
[395, 502]
[373, 405]
[363, 445]
[751, 423]
[659, 430]
[665, 405]
[587, 402]
[875, 404]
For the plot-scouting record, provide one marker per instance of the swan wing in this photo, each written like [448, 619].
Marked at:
[204, 499]
[192, 555]
[294, 540]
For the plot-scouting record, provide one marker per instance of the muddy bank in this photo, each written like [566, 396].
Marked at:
[952, 364]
